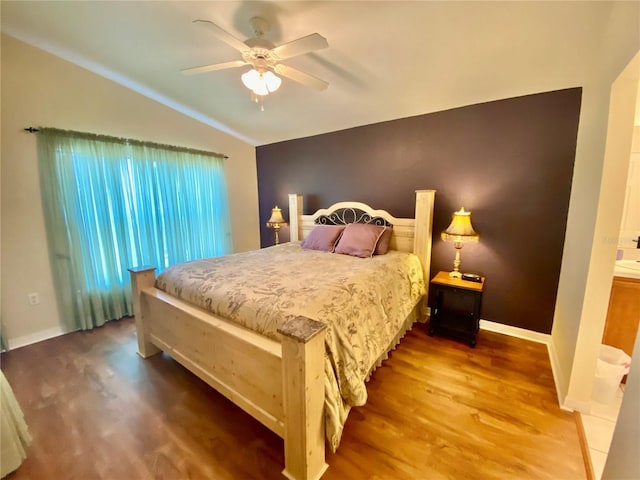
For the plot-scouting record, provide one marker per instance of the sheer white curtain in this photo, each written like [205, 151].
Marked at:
[110, 204]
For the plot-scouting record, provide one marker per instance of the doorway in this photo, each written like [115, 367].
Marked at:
[603, 421]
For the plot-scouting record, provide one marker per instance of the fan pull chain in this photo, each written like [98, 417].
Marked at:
[258, 99]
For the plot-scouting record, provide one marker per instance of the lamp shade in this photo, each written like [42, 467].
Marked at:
[276, 217]
[261, 83]
[460, 228]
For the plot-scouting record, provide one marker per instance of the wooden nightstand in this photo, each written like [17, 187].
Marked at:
[455, 307]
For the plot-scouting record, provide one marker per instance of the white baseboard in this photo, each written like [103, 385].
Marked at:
[34, 337]
[515, 332]
[558, 378]
[574, 405]
[538, 337]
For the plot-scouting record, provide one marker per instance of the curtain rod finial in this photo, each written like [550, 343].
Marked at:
[31, 130]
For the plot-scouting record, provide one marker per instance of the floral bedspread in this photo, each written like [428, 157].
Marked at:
[363, 301]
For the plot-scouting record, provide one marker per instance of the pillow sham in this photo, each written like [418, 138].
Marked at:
[323, 237]
[382, 246]
[359, 239]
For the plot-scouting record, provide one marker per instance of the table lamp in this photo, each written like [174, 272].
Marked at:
[459, 231]
[276, 222]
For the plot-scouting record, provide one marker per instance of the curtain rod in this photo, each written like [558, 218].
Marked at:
[36, 130]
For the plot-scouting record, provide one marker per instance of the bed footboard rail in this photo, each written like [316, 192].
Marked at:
[280, 384]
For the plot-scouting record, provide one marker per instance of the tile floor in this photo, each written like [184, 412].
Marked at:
[598, 428]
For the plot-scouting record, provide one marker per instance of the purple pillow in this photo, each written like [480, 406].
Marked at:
[359, 239]
[383, 244]
[323, 237]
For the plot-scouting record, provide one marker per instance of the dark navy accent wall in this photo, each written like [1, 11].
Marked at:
[509, 162]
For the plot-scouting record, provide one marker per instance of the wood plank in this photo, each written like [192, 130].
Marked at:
[623, 314]
[584, 447]
[303, 384]
[443, 278]
[242, 365]
[437, 409]
[423, 228]
[295, 214]
[141, 278]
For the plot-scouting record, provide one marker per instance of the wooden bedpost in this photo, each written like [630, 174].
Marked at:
[422, 237]
[424, 220]
[295, 212]
[303, 397]
[141, 278]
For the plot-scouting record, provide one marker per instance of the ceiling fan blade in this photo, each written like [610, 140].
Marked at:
[223, 35]
[301, 77]
[213, 67]
[307, 44]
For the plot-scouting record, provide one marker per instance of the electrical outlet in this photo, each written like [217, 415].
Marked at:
[34, 299]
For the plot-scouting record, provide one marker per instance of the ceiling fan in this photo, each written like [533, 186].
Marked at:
[265, 58]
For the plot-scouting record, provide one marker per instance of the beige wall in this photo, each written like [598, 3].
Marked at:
[595, 207]
[41, 89]
[635, 146]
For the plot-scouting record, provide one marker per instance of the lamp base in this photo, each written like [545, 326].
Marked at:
[456, 262]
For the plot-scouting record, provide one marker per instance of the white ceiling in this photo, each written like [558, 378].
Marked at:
[385, 60]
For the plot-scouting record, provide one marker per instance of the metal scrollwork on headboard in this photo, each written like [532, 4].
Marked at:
[344, 216]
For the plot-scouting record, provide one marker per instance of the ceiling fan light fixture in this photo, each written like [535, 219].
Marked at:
[261, 83]
[272, 80]
[265, 58]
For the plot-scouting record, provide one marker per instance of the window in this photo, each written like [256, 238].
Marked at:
[111, 204]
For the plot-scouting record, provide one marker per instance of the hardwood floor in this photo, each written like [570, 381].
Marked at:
[437, 409]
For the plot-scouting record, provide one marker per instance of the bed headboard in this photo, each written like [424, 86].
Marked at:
[409, 234]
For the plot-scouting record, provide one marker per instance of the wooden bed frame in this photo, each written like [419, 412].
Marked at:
[281, 384]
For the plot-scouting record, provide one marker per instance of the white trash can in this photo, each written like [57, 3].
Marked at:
[612, 365]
